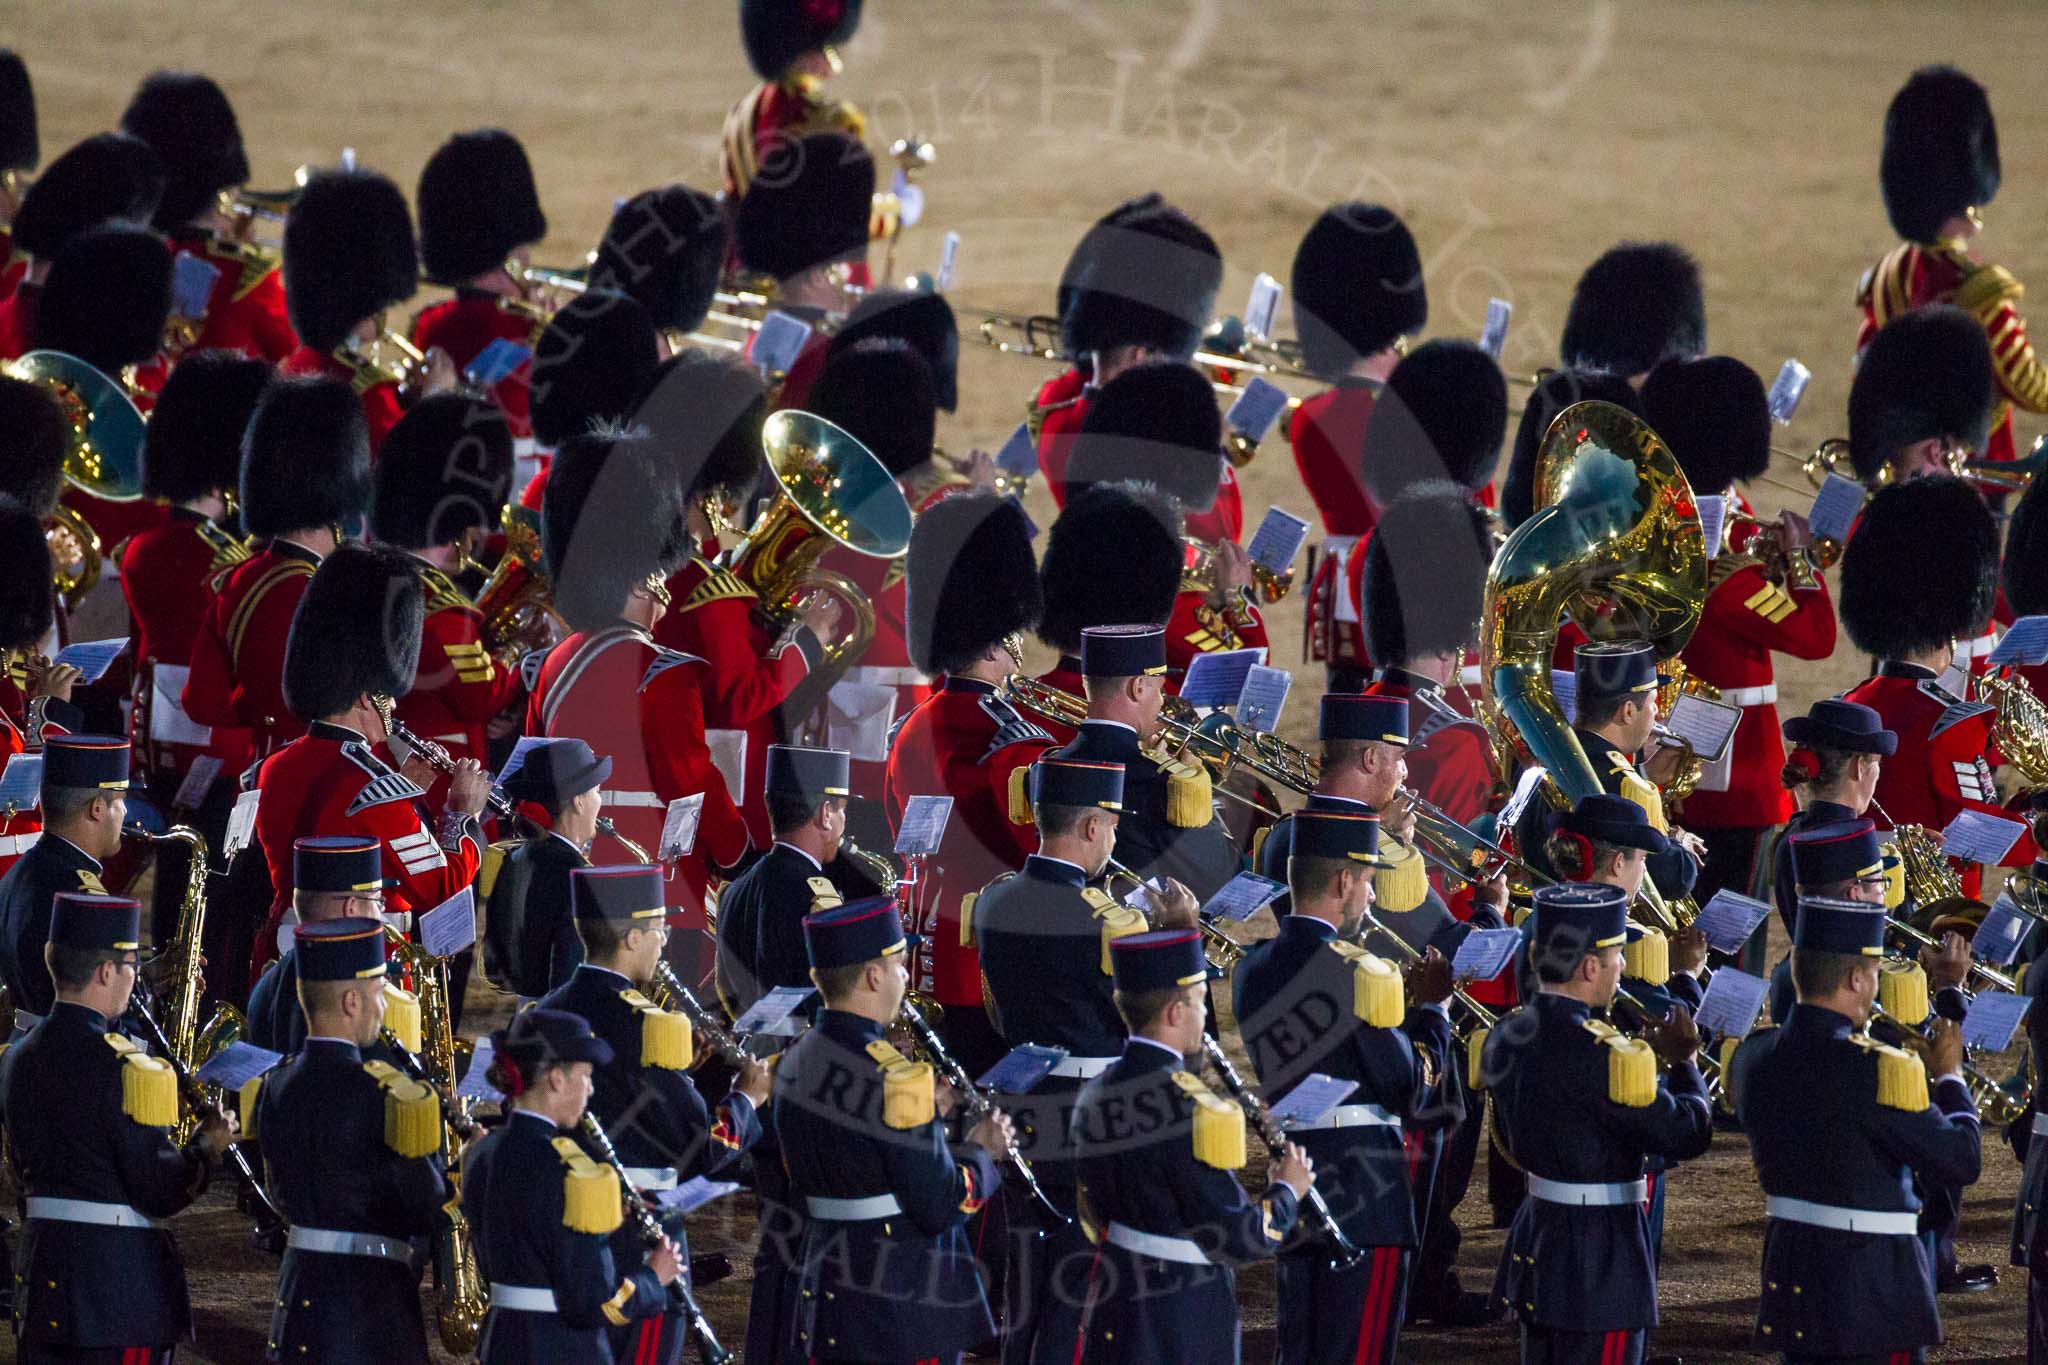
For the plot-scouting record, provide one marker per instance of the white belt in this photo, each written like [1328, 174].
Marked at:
[1468, 676]
[1981, 645]
[87, 1211]
[335, 1243]
[1578, 1192]
[1082, 1068]
[1750, 696]
[521, 1299]
[24, 1021]
[646, 799]
[1840, 1219]
[15, 844]
[1157, 1247]
[851, 1210]
[651, 1177]
[882, 675]
[1336, 547]
[1348, 1116]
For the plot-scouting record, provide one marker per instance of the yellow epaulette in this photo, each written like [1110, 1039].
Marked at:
[402, 1016]
[1117, 921]
[1771, 602]
[909, 1089]
[824, 895]
[412, 1111]
[1639, 789]
[721, 585]
[442, 594]
[1902, 990]
[1020, 796]
[1631, 1066]
[1219, 1125]
[666, 1039]
[89, 880]
[473, 663]
[247, 1097]
[1405, 884]
[1258, 845]
[1901, 1075]
[255, 263]
[1378, 997]
[590, 1193]
[1475, 1050]
[1987, 287]
[493, 864]
[1190, 803]
[149, 1088]
[1648, 958]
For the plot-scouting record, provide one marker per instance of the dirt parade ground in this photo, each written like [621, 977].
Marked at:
[1517, 140]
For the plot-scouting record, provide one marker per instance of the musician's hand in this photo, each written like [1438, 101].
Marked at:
[441, 372]
[1296, 1169]
[979, 468]
[821, 615]
[944, 1097]
[1233, 573]
[418, 771]
[468, 786]
[993, 1134]
[1948, 963]
[1428, 978]
[215, 1133]
[1675, 1037]
[753, 1082]
[46, 679]
[1688, 950]
[1691, 843]
[666, 1262]
[1176, 906]
[1794, 532]
[1397, 817]
[1940, 1048]
[1661, 767]
[1494, 892]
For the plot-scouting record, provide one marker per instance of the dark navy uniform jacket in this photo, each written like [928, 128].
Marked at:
[81, 1285]
[26, 892]
[2029, 1226]
[1571, 1267]
[1043, 969]
[320, 1121]
[1201, 858]
[275, 1020]
[1134, 1131]
[1278, 844]
[531, 916]
[1784, 882]
[761, 927]
[1672, 871]
[1294, 1011]
[1807, 1097]
[898, 1286]
[513, 1195]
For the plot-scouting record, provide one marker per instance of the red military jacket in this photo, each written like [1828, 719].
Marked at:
[1912, 275]
[1328, 436]
[237, 677]
[18, 318]
[748, 674]
[167, 575]
[1450, 761]
[328, 782]
[1058, 411]
[775, 111]
[459, 687]
[1746, 618]
[23, 726]
[1196, 628]
[381, 407]
[463, 326]
[1944, 759]
[965, 742]
[642, 706]
[245, 312]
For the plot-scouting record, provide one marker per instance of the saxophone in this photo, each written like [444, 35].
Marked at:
[184, 987]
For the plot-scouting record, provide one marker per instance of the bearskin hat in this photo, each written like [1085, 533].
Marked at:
[1556, 391]
[881, 392]
[1425, 573]
[20, 146]
[1442, 415]
[107, 176]
[34, 438]
[1145, 275]
[703, 414]
[1714, 414]
[305, 457]
[356, 631]
[1638, 304]
[777, 32]
[2025, 569]
[665, 247]
[607, 521]
[107, 297]
[188, 120]
[1155, 423]
[28, 600]
[477, 201]
[348, 254]
[923, 319]
[808, 205]
[446, 467]
[1926, 374]
[1113, 556]
[1940, 152]
[1920, 569]
[592, 361]
[1357, 287]
[969, 579]
[193, 444]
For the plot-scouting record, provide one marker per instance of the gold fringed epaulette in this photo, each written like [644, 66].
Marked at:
[1648, 958]
[402, 1016]
[1020, 796]
[412, 1111]
[1475, 1048]
[1258, 845]
[1901, 1075]
[1189, 802]
[666, 1040]
[255, 264]
[909, 1089]
[1378, 998]
[1639, 789]
[1118, 921]
[247, 1098]
[1727, 1058]
[149, 1088]
[967, 918]
[1405, 883]
[493, 864]
[1894, 865]
[720, 585]
[1219, 1125]
[590, 1192]
[824, 895]
[1986, 288]
[1902, 991]
[1631, 1066]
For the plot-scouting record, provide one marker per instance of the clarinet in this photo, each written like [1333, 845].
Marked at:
[270, 1224]
[731, 1047]
[978, 1103]
[1345, 1256]
[502, 806]
[680, 1297]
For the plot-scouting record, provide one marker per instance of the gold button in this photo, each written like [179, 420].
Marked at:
[1774, 1284]
[1796, 1289]
[1767, 1329]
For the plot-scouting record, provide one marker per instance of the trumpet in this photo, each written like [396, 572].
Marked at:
[244, 208]
[2012, 476]
[1993, 1100]
[1198, 572]
[368, 367]
[1220, 949]
[1036, 336]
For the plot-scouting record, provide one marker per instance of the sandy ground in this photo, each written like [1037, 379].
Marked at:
[1518, 141]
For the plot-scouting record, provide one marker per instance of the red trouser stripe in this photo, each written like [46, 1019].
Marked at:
[647, 1348]
[1379, 1300]
[1615, 1349]
[1087, 1307]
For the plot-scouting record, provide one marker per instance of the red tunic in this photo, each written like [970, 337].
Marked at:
[18, 319]
[459, 687]
[965, 742]
[245, 312]
[237, 677]
[747, 675]
[1059, 410]
[776, 111]
[1195, 628]
[463, 326]
[22, 730]
[1328, 436]
[380, 401]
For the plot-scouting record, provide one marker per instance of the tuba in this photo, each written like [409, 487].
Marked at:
[1616, 545]
[103, 457]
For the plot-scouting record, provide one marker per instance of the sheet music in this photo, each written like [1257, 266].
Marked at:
[1731, 1003]
[1705, 724]
[2025, 642]
[1729, 919]
[924, 824]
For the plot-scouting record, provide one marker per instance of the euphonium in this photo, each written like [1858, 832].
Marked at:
[2021, 725]
[1615, 543]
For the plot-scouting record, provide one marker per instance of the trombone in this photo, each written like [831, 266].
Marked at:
[1371, 924]
[1460, 850]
